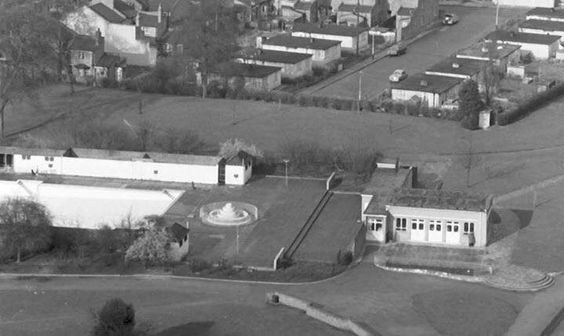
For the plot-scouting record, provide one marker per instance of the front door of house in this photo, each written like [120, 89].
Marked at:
[417, 230]
[452, 233]
[436, 231]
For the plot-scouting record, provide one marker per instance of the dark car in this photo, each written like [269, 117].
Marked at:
[396, 50]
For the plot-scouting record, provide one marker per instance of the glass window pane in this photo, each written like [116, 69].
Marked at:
[421, 226]
[438, 227]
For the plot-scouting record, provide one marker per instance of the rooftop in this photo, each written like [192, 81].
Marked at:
[438, 199]
[546, 25]
[84, 42]
[148, 20]
[300, 42]
[232, 69]
[303, 5]
[488, 50]
[547, 12]
[330, 29]
[109, 60]
[277, 56]
[107, 13]
[354, 8]
[125, 9]
[457, 66]
[518, 37]
[427, 83]
[105, 154]
[386, 180]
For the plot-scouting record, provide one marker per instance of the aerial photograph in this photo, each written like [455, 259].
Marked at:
[281, 167]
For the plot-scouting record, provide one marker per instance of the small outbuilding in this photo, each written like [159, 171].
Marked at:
[239, 168]
[255, 77]
[501, 54]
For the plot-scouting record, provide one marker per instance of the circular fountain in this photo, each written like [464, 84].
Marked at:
[228, 213]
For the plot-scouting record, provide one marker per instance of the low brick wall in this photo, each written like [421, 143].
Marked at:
[318, 312]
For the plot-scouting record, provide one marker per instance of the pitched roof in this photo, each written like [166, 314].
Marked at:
[109, 60]
[233, 69]
[276, 56]
[427, 83]
[178, 232]
[354, 8]
[31, 151]
[238, 158]
[546, 25]
[330, 29]
[124, 8]
[303, 5]
[517, 37]
[439, 199]
[106, 154]
[300, 42]
[457, 66]
[84, 42]
[107, 13]
[546, 12]
[148, 20]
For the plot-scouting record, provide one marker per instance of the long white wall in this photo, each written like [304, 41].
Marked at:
[525, 3]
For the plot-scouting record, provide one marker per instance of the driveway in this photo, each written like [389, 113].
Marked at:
[474, 24]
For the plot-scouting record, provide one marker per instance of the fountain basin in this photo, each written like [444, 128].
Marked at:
[228, 213]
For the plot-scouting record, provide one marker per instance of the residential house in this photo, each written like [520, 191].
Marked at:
[543, 27]
[308, 9]
[292, 65]
[549, 14]
[255, 77]
[526, 3]
[500, 54]
[539, 45]
[84, 51]
[429, 89]
[324, 52]
[367, 15]
[460, 68]
[109, 66]
[151, 23]
[414, 16]
[353, 39]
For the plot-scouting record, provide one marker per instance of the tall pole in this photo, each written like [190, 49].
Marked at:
[286, 171]
[497, 16]
[359, 89]
[372, 46]
[357, 24]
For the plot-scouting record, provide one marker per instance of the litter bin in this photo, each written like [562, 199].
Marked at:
[484, 119]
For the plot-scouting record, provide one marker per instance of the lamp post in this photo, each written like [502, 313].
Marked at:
[497, 16]
[286, 170]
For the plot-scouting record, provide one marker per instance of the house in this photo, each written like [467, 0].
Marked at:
[299, 10]
[292, 65]
[149, 166]
[549, 14]
[151, 23]
[255, 77]
[109, 66]
[324, 52]
[308, 9]
[526, 3]
[431, 90]
[459, 68]
[353, 39]
[500, 54]
[370, 15]
[543, 27]
[540, 46]
[84, 52]
[413, 16]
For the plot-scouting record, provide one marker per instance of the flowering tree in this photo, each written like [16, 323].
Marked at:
[151, 248]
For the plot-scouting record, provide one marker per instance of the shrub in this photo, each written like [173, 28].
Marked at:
[233, 146]
[198, 265]
[109, 83]
[345, 258]
[115, 318]
[216, 90]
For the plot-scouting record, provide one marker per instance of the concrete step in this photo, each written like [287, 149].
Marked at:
[520, 286]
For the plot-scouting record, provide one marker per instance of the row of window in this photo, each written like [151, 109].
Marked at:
[434, 225]
[47, 158]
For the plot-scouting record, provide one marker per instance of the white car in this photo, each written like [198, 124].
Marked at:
[398, 75]
[450, 19]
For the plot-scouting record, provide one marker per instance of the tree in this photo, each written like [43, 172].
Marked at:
[24, 226]
[208, 36]
[231, 147]
[470, 103]
[116, 318]
[491, 77]
[151, 248]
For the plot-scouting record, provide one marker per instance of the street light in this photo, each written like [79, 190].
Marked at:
[497, 16]
[286, 170]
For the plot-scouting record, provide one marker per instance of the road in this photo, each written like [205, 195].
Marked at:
[474, 24]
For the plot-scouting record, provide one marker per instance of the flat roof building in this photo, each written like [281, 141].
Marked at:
[432, 90]
[542, 46]
[348, 36]
[323, 51]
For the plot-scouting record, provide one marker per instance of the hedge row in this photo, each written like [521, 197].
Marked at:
[530, 105]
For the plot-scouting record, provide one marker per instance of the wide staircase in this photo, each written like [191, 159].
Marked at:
[519, 279]
[295, 244]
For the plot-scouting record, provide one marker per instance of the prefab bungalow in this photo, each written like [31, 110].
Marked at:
[323, 51]
[353, 39]
[457, 68]
[292, 65]
[543, 27]
[541, 46]
[499, 53]
[255, 77]
[544, 13]
[431, 90]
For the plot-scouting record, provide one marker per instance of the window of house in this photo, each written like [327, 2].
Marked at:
[468, 227]
[375, 224]
[81, 55]
[26, 157]
[401, 224]
[155, 172]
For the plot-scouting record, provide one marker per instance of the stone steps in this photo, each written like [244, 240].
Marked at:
[519, 279]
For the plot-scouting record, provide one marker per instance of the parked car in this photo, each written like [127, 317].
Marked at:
[398, 75]
[397, 49]
[450, 19]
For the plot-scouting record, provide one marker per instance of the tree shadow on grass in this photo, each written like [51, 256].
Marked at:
[504, 222]
[191, 328]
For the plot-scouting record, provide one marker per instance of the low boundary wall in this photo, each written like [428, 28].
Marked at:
[554, 323]
[317, 311]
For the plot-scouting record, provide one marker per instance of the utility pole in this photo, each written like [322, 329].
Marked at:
[359, 89]
[497, 16]
[357, 24]
[286, 171]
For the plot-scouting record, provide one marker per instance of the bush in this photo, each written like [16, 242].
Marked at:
[216, 90]
[115, 318]
[345, 258]
[198, 265]
[109, 83]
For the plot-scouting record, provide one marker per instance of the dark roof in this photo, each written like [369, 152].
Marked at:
[31, 151]
[517, 37]
[105, 154]
[438, 199]
[109, 60]
[547, 12]
[238, 158]
[300, 42]
[178, 232]
[276, 56]
[457, 66]
[148, 20]
[427, 83]
[354, 8]
[82, 66]
[385, 180]
[233, 69]
[330, 29]
[543, 25]
[488, 50]
[405, 11]
[84, 42]
[107, 13]
[125, 9]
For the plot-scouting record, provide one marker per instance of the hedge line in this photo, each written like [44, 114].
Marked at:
[531, 105]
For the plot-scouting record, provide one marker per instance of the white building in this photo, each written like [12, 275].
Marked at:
[351, 38]
[292, 65]
[543, 27]
[549, 14]
[542, 46]
[324, 52]
[431, 90]
[526, 3]
[149, 166]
